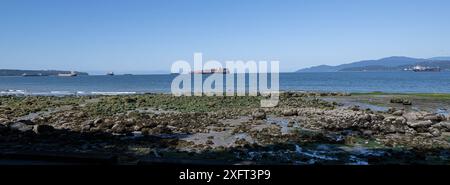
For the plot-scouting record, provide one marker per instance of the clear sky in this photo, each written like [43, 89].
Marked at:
[133, 35]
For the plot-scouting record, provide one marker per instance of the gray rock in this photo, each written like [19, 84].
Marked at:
[421, 124]
[434, 117]
[3, 121]
[444, 126]
[410, 131]
[139, 127]
[367, 133]
[411, 116]
[289, 112]
[435, 132]
[88, 122]
[98, 121]
[366, 117]
[290, 124]
[398, 113]
[400, 120]
[86, 128]
[118, 128]
[258, 115]
[391, 110]
[19, 126]
[390, 119]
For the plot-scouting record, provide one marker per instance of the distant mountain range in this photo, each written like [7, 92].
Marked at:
[385, 64]
[16, 72]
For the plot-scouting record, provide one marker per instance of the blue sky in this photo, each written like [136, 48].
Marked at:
[134, 35]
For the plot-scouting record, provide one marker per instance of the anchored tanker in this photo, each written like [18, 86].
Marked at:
[211, 71]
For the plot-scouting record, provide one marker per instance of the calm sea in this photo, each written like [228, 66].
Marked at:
[407, 82]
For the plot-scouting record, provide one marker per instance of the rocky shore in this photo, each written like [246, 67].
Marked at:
[305, 128]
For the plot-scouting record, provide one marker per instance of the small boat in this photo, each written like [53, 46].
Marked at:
[110, 74]
[71, 74]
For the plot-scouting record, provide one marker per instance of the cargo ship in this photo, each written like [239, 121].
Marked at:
[71, 74]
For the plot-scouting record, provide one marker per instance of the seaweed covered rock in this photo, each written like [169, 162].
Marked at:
[401, 101]
[289, 112]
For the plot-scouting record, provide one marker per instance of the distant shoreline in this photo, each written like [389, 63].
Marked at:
[18, 72]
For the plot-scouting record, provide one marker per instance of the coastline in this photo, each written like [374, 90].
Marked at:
[306, 128]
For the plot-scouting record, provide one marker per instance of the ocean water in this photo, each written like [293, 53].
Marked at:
[405, 82]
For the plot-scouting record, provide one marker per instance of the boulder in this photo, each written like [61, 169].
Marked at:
[443, 126]
[3, 121]
[88, 122]
[398, 113]
[434, 117]
[400, 120]
[98, 121]
[138, 127]
[390, 119]
[259, 115]
[410, 131]
[86, 128]
[435, 132]
[118, 128]
[411, 116]
[420, 124]
[289, 112]
[446, 124]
